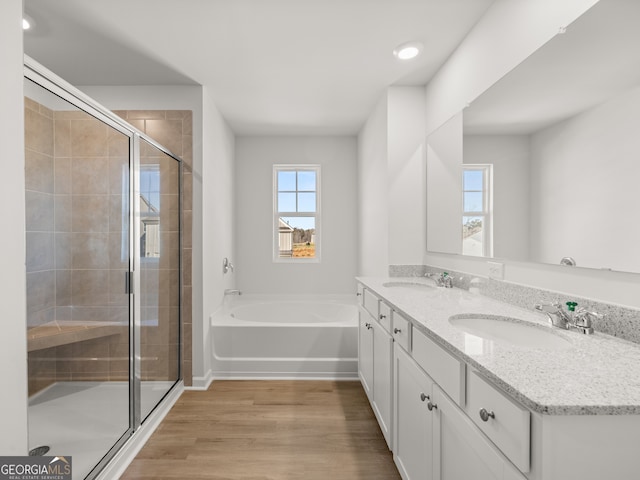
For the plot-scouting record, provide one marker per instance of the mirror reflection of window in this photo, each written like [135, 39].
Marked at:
[150, 211]
[476, 215]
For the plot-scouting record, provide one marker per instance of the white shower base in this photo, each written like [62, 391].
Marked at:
[84, 419]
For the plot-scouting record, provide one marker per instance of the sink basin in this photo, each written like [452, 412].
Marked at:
[408, 285]
[507, 330]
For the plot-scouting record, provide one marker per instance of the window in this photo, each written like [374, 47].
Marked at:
[296, 227]
[477, 209]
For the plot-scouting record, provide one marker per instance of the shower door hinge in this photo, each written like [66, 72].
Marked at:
[128, 283]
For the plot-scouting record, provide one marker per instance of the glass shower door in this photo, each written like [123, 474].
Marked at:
[78, 268]
[159, 244]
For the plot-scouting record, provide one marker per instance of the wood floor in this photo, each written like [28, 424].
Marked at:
[268, 430]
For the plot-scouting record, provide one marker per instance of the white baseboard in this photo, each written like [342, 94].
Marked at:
[285, 376]
[201, 383]
[117, 466]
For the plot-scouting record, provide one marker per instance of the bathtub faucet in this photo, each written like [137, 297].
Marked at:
[232, 291]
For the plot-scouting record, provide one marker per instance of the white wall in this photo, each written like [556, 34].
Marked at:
[212, 196]
[585, 173]
[508, 33]
[391, 182]
[218, 214]
[373, 197]
[444, 187]
[509, 155]
[405, 166]
[13, 341]
[255, 269]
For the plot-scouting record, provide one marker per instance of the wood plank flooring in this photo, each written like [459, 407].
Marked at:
[268, 430]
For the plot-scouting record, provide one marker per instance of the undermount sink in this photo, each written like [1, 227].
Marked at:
[509, 330]
[408, 285]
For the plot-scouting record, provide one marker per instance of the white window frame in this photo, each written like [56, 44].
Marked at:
[276, 214]
[487, 202]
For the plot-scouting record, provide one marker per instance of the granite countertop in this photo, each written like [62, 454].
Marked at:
[595, 375]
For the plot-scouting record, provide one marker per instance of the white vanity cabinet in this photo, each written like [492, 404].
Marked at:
[365, 353]
[382, 374]
[460, 451]
[413, 422]
[375, 359]
[476, 427]
[433, 438]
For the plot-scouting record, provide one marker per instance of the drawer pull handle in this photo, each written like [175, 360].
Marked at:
[368, 325]
[358, 294]
[396, 330]
[381, 316]
[432, 406]
[424, 397]
[485, 416]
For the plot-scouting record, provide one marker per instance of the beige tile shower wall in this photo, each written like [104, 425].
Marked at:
[91, 165]
[173, 130]
[39, 191]
[75, 261]
[74, 178]
[40, 250]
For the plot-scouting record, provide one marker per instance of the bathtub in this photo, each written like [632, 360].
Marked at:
[286, 337]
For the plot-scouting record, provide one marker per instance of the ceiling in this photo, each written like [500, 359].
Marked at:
[273, 67]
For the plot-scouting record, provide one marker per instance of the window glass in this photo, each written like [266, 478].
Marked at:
[476, 215]
[307, 181]
[296, 212]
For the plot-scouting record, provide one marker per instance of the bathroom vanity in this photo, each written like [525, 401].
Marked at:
[464, 386]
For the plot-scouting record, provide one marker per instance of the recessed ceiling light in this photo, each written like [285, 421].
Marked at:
[408, 50]
[27, 22]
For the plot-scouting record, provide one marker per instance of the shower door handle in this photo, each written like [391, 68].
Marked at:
[128, 283]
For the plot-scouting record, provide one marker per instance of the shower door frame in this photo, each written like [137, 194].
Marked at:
[48, 80]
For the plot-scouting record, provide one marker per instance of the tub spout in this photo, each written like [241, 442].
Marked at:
[232, 291]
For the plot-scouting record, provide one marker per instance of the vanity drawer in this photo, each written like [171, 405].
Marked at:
[385, 316]
[402, 331]
[443, 367]
[370, 302]
[508, 424]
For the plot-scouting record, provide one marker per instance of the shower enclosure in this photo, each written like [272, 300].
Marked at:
[103, 266]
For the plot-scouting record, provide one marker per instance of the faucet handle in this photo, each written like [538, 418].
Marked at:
[583, 317]
[548, 307]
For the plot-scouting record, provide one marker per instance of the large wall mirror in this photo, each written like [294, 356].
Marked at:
[549, 165]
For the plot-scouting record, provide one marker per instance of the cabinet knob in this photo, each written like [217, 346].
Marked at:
[396, 330]
[358, 294]
[485, 415]
[368, 325]
[424, 397]
[432, 406]
[381, 316]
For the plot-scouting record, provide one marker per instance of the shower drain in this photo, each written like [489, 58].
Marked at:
[38, 451]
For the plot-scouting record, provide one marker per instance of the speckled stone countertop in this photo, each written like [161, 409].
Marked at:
[594, 375]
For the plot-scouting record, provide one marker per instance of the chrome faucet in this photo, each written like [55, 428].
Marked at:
[580, 320]
[232, 291]
[444, 280]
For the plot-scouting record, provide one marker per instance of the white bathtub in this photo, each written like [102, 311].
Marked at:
[260, 336]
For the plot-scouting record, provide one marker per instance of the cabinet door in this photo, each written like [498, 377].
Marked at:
[382, 370]
[365, 352]
[461, 450]
[412, 420]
